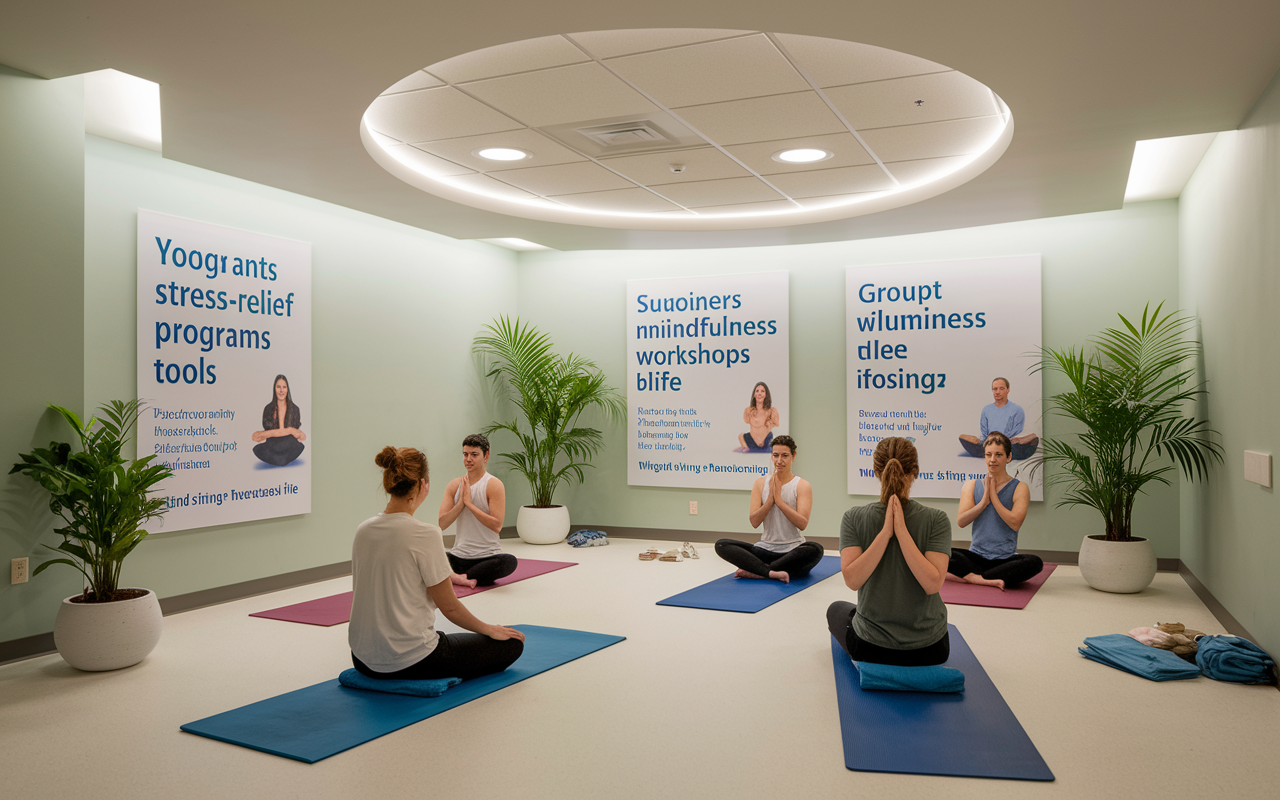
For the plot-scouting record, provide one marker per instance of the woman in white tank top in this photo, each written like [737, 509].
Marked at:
[781, 502]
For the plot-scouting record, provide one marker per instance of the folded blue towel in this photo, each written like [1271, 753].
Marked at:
[1233, 659]
[354, 679]
[889, 678]
[1129, 655]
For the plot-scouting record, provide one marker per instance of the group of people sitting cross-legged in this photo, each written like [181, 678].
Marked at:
[401, 574]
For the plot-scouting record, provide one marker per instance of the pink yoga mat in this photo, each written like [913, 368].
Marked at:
[967, 594]
[336, 609]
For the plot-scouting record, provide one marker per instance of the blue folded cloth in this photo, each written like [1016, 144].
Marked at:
[890, 678]
[1129, 655]
[588, 538]
[354, 679]
[1233, 659]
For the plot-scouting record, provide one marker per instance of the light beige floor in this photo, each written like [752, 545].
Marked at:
[693, 704]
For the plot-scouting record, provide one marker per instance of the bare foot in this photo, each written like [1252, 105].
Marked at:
[779, 576]
[462, 580]
[978, 580]
[742, 573]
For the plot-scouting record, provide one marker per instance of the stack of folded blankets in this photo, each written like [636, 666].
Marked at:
[1170, 652]
[1236, 660]
[1124, 653]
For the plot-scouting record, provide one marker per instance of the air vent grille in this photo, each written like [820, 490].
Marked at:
[628, 135]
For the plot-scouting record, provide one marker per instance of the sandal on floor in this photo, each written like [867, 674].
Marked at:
[649, 555]
[688, 551]
[671, 555]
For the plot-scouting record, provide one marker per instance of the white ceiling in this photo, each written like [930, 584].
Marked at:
[274, 92]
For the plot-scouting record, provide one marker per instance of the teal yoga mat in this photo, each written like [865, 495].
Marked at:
[973, 734]
[319, 721]
[748, 595]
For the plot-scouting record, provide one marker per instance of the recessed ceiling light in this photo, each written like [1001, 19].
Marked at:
[501, 153]
[802, 155]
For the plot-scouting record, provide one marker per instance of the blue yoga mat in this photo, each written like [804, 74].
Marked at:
[749, 595]
[322, 720]
[968, 735]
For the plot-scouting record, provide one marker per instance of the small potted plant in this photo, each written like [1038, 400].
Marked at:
[1130, 396]
[104, 499]
[551, 393]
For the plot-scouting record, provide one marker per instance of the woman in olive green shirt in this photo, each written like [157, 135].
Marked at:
[894, 554]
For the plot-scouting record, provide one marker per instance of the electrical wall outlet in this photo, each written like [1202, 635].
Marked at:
[19, 571]
[693, 507]
[1257, 467]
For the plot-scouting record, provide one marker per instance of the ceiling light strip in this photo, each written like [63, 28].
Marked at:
[813, 85]
[663, 107]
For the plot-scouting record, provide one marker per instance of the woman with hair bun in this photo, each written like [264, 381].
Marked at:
[400, 577]
[894, 554]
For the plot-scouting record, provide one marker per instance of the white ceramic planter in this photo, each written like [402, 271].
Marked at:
[543, 525]
[101, 636]
[1119, 567]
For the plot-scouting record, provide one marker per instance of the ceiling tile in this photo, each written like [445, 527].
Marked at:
[759, 155]
[418, 80]
[627, 201]
[506, 59]
[486, 185]
[829, 201]
[715, 193]
[831, 62]
[882, 104]
[566, 94]
[933, 140]
[712, 72]
[543, 151]
[425, 163]
[842, 180]
[926, 170]
[607, 44]
[434, 114]
[563, 179]
[700, 165]
[759, 119]
[750, 208]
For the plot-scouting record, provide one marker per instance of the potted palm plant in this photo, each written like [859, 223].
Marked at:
[1130, 394]
[551, 393]
[104, 499]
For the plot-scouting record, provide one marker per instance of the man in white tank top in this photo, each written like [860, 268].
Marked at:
[475, 505]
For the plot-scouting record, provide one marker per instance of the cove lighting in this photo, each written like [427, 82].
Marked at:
[1162, 167]
[802, 155]
[502, 154]
[121, 107]
[512, 243]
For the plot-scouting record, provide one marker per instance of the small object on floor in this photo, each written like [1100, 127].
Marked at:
[971, 734]
[1129, 655]
[671, 555]
[1235, 659]
[891, 678]
[1180, 642]
[731, 594]
[355, 679]
[650, 555]
[588, 538]
[687, 550]
[955, 593]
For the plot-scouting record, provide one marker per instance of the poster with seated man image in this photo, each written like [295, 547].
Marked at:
[943, 354]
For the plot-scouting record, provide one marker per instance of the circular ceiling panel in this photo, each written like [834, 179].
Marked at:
[686, 129]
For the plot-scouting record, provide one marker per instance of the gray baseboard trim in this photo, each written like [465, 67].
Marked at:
[1225, 618]
[26, 647]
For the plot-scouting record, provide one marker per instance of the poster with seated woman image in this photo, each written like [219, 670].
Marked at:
[224, 365]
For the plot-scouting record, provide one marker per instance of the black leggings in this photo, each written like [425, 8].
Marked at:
[457, 655]
[795, 562]
[279, 451]
[484, 570]
[1013, 570]
[840, 623]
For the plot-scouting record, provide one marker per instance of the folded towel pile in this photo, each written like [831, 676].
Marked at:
[1123, 653]
[354, 679]
[1233, 659]
[889, 678]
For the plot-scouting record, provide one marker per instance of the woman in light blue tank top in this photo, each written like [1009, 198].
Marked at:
[997, 508]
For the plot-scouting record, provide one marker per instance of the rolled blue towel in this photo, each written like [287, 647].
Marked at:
[890, 678]
[1129, 655]
[1233, 659]
[354, 679]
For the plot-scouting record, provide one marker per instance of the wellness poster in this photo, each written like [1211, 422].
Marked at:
[941, 354]
[224, 364]
[708, 384]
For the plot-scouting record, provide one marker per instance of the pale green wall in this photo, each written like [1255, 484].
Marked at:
[1230, 278]
[41, 319]
[1095, 265]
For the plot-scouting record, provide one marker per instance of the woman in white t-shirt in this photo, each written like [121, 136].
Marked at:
[400, 576]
